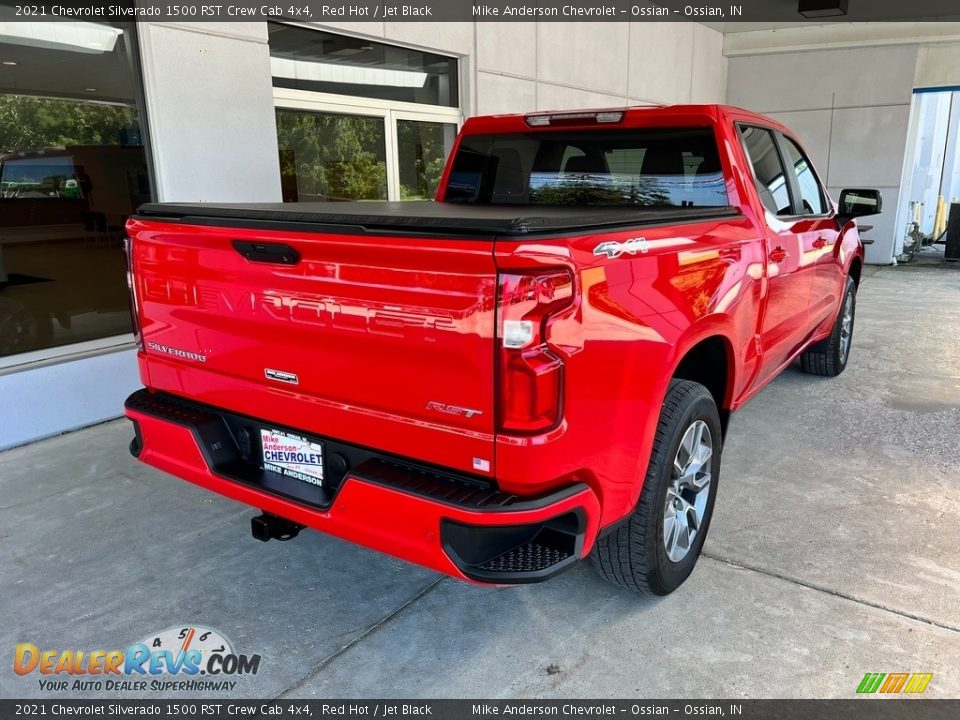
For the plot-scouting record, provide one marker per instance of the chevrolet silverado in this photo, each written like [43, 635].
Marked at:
[535, 367]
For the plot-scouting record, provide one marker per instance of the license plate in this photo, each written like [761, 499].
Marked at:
[292, 455]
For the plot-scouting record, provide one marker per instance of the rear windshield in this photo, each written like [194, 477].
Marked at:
[619, 168]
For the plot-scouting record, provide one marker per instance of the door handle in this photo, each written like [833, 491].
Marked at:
[731, 255]
[267, 252]
[778, 254]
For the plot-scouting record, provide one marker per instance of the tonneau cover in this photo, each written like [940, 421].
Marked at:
[427, 216]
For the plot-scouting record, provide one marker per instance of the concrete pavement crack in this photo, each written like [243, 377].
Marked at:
[828, 591]
[370, 630]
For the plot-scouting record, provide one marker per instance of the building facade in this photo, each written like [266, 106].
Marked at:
[110, 116]
[97, 118]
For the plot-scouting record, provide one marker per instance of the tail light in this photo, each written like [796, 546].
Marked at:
[530, 372]
[132, 287]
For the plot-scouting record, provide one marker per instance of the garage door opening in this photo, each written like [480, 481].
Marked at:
[932, 177]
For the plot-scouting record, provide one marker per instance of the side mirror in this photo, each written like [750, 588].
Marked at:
[858, 203]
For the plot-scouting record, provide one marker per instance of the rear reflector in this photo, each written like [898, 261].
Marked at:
[530, 371]
[132, 287]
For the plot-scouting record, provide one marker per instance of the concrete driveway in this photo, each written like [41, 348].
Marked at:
[835, 551]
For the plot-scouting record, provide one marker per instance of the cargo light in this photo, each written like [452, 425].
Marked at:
[530, 371]
[580, 118]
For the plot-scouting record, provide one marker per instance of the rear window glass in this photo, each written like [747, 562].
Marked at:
[620, 168]
[53, 176]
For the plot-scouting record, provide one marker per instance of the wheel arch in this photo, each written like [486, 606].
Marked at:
[710, 361]
[855, 270]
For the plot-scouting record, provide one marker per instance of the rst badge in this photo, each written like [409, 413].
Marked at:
[453, 409]
[612, 249]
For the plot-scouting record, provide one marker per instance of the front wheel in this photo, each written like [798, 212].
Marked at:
[829, 357]
[655, 550]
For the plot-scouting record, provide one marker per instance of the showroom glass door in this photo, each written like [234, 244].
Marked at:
[73, 167]
[333, 148]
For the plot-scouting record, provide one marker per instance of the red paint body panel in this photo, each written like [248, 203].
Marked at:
[389, 521]
[390, 327]
[379, 327]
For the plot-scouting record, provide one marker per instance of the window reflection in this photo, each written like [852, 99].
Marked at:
[319, 61]
[422, 148]
[768, 170]
[72, 168]
[328, 157]
[811, 194]
[612, 167]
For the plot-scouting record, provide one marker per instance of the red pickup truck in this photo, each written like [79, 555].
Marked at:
[538, 366]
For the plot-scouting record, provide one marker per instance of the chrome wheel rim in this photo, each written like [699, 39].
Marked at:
[688, 491]
[846, 327]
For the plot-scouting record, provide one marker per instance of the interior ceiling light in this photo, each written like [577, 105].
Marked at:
[347, 74]
[823, 8]
[11, 63]
[82, 37]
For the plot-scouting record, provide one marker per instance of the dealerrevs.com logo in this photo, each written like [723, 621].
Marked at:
[185, 658]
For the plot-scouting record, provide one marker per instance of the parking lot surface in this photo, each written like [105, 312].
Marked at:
[833, 553]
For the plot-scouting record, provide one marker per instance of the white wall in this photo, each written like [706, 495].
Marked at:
[555, 66]
[64, 396]
[210, 110]
[938, 65]
[850, 108]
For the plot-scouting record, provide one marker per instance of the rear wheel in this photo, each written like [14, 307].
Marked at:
[829, 357]
[656, 549]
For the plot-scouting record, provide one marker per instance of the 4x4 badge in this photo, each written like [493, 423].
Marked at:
[615, 249]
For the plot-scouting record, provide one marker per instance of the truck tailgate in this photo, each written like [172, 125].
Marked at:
[381, 341]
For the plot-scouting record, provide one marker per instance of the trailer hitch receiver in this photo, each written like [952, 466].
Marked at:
[271, 527]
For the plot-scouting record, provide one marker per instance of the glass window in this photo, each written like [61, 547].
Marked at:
[314, 60]
[422, 149]
[72, 168]
[645, 168]
[811, 193]
[767, 170]
[328, 157]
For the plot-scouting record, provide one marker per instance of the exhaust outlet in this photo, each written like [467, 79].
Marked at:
[271, 527]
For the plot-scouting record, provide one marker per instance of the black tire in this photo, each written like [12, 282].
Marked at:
[634, 555]
[829, 356]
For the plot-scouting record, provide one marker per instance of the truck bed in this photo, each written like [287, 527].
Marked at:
[425, 217]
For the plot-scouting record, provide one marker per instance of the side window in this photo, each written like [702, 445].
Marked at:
[811, 192]
[768, 171]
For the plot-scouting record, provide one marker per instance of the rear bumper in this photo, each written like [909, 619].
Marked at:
[454, 524]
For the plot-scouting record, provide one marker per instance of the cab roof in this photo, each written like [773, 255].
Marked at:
[630, 116]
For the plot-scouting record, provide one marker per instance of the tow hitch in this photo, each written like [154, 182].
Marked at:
[270, 527]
